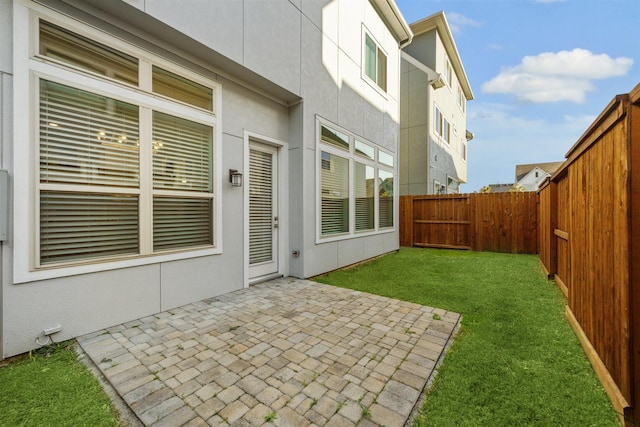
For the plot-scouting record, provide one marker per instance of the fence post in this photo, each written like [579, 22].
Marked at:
[473, 197]
[553, 224]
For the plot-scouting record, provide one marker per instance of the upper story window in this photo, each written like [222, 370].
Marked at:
[356, 193]
[441, 126]
[122, 172]
[64, 46]
[463, 149]
[448, 72]
[462, 100]
[375, 62]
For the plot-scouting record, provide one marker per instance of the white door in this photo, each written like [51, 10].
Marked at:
[263, 210]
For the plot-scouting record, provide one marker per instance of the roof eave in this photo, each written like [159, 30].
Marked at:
[439, 22]
[392, 16]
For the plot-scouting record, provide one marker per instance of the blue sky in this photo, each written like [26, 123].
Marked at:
[541, 71]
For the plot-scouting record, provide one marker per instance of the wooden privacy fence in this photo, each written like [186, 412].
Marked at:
[497, 222]
[589, 236]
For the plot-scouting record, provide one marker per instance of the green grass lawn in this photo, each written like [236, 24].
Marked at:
[51, 387]
[515, 360]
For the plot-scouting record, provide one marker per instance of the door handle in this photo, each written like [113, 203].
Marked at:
[275, 222]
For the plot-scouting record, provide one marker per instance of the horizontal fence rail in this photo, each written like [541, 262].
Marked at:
[497, 222]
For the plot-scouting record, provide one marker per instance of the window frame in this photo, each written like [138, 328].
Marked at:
[442, 126]
[373, 82]
[457, 185]
[35, 67]
[462, 100]
[448, 72]
[353, 158]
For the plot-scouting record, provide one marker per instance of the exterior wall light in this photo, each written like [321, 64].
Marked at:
[235, 178]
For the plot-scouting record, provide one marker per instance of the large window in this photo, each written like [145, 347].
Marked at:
[356, 185]
[375, 62]
[126, 159]
[441, 126]
[448, 72]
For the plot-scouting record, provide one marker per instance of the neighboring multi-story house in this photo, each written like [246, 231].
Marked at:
[164, 152]
[433, 117]
[530, 176]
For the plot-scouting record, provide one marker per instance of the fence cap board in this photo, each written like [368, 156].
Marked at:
[634, 95]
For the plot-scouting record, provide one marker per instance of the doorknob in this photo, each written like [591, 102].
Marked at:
[275, 222]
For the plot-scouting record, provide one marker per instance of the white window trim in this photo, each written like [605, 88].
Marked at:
[449, 66]
[363, 74]
[352, 157]
[441, 138]
[464, 153]
[29, 67]
[449, 177]
[283, 201]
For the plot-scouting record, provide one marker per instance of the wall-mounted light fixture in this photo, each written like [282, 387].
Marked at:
[235, 178]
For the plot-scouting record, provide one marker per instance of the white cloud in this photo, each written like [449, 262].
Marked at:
[495, 46]
[504, 138]
[457, 22]
[555, 77]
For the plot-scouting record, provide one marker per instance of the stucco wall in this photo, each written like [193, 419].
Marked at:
[6, 117]
[334, 89]
[414, 130]
[87, 302]
[313, 60]
[425, 156]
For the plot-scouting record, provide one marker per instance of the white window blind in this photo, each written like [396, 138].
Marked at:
[181, 222]
[260, 207]
[80, 226]
[364, 181]
[182, 161]
[185, 90]
[385, 195]
[356, 185]
[182, 157]
[108, 169]
[73, 49]
[87, 138]
[335, 195]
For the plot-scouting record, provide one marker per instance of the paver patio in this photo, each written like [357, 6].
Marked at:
[302, 352]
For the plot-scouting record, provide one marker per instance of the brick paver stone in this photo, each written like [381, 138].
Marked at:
[306, 353]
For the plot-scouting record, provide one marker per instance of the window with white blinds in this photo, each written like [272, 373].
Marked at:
[79, 51]
[364, 183]
[335, 195]
[385, 192]
[260, 206]
[86, 138]
[356, 193]
[79, 226]
[181, 154]
[117, 177]
[181, 222]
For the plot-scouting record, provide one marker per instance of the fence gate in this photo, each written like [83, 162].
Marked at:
[441, 221]
[498, 222]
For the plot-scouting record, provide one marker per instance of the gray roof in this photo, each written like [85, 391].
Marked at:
[549, 167]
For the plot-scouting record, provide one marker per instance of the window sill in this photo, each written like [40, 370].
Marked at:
[355, 235]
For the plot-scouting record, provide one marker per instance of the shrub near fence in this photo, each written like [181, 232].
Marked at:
[590, 243]
[496, 222]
